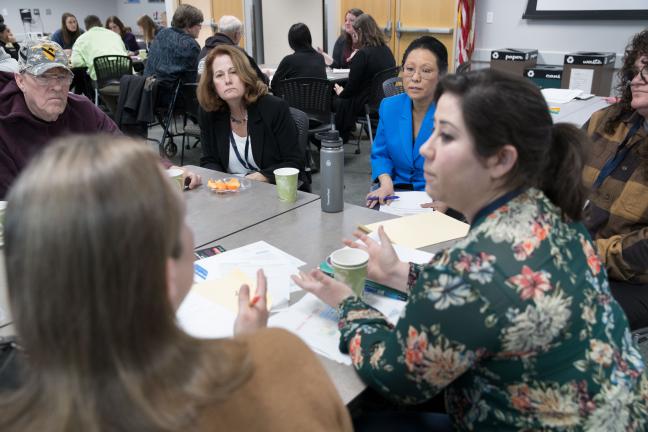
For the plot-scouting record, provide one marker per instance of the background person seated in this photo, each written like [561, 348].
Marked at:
[8, 42]
[68, 33]
[230, 32]
[407, 121]
[125, 364]
[148, 28]
[115, 24]
[373, 56]
[244, 130]
[617, 214]
[173, 54]
[344, 47]
[304, 62]
[515, 323]
[95, 42]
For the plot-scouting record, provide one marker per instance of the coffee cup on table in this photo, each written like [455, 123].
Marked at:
[286, 180]
[350, 267]
[177, 176]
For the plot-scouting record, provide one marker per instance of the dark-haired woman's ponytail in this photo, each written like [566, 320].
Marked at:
[562, 180]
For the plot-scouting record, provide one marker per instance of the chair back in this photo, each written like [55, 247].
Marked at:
[190, 98]
[463, 67]
[376, 92]
[110, 68]
[301, 121]
[314, 96]
[393, 86]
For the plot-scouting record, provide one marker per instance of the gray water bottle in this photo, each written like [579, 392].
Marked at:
[332, 172]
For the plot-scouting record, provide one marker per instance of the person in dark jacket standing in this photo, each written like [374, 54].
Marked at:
[373, 56]
[304, 62]
[230, 31]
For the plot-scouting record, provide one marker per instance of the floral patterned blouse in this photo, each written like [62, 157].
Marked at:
[516, 323]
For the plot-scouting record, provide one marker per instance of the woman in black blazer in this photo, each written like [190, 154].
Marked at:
[305, 62]
[244, 130]
[373, 56]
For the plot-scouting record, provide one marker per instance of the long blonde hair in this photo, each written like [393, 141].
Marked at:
[89, 227]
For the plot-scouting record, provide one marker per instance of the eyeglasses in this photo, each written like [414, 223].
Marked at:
[425, 73]
[643, 72]
[50, 80]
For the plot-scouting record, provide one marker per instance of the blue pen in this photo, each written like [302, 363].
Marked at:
[389, 197]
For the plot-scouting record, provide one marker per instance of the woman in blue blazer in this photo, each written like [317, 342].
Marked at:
[407, 121]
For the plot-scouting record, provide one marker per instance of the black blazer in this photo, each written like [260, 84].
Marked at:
[273, 137]
[364, 65]
[306, 63]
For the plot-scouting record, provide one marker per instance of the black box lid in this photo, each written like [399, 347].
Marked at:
[589, 58]
[514, 54]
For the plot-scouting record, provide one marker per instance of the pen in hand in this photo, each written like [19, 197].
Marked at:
[389, 197]
[255, 300]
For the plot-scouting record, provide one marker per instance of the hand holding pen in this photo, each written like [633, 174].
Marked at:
[253, 312]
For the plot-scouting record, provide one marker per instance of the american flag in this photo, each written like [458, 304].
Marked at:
[466, 27]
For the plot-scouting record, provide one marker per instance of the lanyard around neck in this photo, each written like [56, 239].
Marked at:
[246, 163]
[622, 151]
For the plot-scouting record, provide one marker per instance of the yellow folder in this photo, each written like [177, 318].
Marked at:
[421, 230]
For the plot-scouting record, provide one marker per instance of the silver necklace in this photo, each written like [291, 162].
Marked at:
[238, 121]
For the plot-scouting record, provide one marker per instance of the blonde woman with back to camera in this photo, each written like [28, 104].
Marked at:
[95, 315]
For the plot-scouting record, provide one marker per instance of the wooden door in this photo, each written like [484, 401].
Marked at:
[205, 8]
[229, 7]
[381, 10]
[415, 18]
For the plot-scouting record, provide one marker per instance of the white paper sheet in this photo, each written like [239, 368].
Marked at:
[204, 319]
[408, 203]
[277, 265]
[554, 95]
[316, 323]
[581, 79]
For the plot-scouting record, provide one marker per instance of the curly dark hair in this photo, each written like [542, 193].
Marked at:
[636, 48]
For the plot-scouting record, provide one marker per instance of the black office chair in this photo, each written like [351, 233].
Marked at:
[301, 121]
[190, 127]
[314, 96]
[393, 86]
[109, 69]
[463, 67]
[369, 121]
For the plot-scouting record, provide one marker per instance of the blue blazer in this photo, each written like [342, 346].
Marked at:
[394, 150]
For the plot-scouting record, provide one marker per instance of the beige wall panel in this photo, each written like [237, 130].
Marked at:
[426, 14]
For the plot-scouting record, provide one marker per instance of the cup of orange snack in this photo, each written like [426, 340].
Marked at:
[230, 184]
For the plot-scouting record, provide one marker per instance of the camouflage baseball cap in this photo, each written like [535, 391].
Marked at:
[39, 56]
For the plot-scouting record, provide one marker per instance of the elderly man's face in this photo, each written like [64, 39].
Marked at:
[46, 95]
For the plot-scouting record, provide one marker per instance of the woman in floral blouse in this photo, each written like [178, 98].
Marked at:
[515, 322]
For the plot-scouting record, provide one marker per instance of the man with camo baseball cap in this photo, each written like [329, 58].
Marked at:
[39, 56]
[36, 106]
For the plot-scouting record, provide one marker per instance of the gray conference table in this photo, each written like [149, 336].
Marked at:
[310, 235]
[213, 215]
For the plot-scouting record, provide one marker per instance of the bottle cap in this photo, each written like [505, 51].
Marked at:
[330, 138]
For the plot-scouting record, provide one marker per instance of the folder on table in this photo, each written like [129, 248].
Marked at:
[421, 230]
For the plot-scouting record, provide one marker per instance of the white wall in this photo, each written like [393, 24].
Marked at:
[279, 15]
[552, 38]
[128, 13]
[52, 22]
